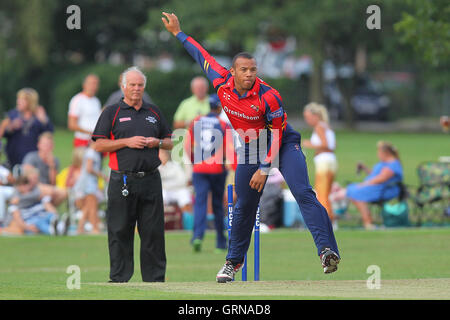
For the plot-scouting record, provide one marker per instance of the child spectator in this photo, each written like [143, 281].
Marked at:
[68, 176]
[86, 189]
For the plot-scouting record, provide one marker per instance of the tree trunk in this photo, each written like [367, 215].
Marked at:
[348, 86]
[361, 59]
[316, 86]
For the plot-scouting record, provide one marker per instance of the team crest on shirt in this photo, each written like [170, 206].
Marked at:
[151, 119]
[256, 108]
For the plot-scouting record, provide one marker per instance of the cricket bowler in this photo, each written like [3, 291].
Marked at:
[255, 111]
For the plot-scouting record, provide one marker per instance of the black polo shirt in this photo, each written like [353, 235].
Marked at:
[119, 121]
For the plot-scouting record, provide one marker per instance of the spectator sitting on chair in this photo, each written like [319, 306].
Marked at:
[174, 183]
[30, 211]
[270, 204]
[380, 184]
[86, 189]
[43, 159]
[57, 195]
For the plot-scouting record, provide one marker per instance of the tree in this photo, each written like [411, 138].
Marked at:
[326, 29]
[107, 26]
[29, 34]
[235, 24]
[336, 30]
[25, 42]
[427, 29]
[35, 43]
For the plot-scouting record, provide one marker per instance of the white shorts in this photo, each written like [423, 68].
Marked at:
[181, 197]
[325, 162]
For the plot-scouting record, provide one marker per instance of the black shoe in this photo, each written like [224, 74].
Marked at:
[66, 225]
[226, 274]
[54, 226]
[329, 260]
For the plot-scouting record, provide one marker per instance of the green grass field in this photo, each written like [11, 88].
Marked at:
[351, 147]
[413, 263]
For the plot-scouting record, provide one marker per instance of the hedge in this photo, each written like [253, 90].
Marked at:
[167, 90]
[58, 84]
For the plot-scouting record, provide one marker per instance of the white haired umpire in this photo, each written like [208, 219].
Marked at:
[132, 131]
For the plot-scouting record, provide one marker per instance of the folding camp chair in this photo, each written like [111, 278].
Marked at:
[433, 194]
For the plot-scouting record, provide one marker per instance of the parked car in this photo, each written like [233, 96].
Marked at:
[368, 101]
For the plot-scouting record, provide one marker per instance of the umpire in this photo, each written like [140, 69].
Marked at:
[133, 131]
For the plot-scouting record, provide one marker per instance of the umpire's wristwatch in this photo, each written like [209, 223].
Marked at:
[160, 143]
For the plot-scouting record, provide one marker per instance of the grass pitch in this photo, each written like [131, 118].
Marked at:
[413, 263]
[321, 289]
[352, 147]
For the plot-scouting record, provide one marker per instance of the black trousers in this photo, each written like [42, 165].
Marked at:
[144, 206]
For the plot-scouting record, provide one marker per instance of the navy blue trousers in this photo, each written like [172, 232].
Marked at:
[292, 165]
[203, 183]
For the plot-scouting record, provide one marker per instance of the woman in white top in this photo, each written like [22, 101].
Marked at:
[323, 142]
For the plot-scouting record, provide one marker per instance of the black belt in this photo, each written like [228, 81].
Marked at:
[139, 174]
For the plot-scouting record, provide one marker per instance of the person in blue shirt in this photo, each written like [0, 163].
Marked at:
[207, 147]
[381, 182]
[23, 126]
